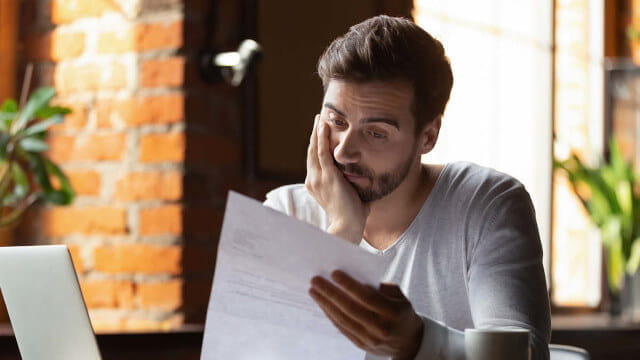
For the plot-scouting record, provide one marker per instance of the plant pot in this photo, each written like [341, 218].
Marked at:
[6, 239]
[626, 303]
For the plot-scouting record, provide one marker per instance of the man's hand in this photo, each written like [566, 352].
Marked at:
[381, 322]
[347, 214]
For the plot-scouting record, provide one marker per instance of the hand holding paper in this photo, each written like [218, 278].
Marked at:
[380, 321]
[260, 307]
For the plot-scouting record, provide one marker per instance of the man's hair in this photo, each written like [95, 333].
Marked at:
[385, 48]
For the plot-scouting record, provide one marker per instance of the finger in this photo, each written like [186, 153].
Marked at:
[344, 324]
[391, 290]
[324, 149]
[312, 150]
[364, 294]
[346, 305]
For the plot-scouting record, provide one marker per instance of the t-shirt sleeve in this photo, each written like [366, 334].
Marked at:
[279, 199]
[507, 285]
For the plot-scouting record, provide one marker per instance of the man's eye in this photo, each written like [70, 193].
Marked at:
[338, 122]
[377, 135]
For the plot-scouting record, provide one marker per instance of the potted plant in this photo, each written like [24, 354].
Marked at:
[610, 193]
[26, 173]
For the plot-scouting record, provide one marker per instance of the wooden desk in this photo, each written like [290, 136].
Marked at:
[183, 343]
[604, 337]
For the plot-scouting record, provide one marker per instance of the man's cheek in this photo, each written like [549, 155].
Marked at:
[333, 143]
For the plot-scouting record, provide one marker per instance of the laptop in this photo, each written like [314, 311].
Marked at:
[45, 305]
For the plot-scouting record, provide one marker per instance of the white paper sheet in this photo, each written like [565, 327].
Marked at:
[259, 306]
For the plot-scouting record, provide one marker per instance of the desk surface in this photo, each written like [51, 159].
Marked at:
[604, 337]
[183, 343]
[592, 322]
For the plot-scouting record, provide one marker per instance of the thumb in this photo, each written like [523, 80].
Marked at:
[391, 290]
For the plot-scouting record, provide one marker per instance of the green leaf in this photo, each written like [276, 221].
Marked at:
[634, 260]
[39, 171]
[4, 140]
[43, 125]
[38, 100]
[618, 163]
[6, 174]
[49, 111]
[20, 181]
[64, 195]
[610, 231]
[10, 106]
[32, 144]
[6, 119]
[615, 267]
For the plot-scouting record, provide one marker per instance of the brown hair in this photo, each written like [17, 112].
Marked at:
[385, 48]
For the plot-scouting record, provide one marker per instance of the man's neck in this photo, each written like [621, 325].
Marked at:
[391, 216]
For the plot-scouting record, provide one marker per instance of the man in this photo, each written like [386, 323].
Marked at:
[461, 239]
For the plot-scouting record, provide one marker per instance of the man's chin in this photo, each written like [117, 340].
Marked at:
[366, 195]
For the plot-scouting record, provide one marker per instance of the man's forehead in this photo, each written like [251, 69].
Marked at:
[392, 97]
[394, 87]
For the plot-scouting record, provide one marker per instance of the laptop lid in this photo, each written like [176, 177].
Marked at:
[45, 305]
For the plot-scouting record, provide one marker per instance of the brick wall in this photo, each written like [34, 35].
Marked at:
[149, 148]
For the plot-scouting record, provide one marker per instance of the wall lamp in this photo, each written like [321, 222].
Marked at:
[230, 67]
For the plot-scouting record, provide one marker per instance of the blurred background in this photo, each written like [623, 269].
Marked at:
[159, 132]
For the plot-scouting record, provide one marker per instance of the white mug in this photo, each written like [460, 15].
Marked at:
[497, 344]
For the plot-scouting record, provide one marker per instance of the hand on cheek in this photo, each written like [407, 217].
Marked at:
[379, 321]
[324, 181]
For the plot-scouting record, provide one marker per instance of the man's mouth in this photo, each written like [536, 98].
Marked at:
[353, 177]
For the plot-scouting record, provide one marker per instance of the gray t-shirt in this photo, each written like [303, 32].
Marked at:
[471, 258]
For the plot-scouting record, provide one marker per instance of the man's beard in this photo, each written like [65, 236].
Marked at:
[381, 185]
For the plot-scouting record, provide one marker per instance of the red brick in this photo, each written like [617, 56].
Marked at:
[78, 264]
[107, 293]
[84, 182]
[162, 148]
[161, 295]
[69, 77]
[162, 72]
[162, 109]
[65, 11]
[138, 258]
[161, 220]
[61, 221]
[96, 147]
[75, 120]
[55, 45]
[150, 185]
[142, 37]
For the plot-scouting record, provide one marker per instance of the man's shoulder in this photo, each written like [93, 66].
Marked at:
[471, 178]
[292, 192]
[296, 201]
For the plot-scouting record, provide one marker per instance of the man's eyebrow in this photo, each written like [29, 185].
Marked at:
[332, 107]
[382, 120]
[367, 120]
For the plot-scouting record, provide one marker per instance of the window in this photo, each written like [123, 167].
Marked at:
[500, 111]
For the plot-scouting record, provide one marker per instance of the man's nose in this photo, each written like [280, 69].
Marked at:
[347, 149]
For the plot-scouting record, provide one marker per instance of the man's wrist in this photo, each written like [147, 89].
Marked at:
[350, 233]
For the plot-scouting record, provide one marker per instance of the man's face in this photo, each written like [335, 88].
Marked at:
[373, 138]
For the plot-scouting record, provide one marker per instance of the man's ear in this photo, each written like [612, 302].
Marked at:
[429, 135]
